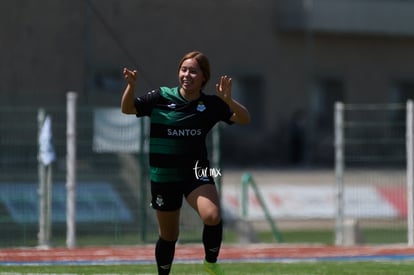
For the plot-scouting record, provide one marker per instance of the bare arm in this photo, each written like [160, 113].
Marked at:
[128, 98]
[240, 114]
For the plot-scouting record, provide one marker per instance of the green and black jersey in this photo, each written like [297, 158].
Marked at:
[178, 131]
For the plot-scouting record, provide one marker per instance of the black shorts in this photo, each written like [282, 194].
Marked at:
[168, 196]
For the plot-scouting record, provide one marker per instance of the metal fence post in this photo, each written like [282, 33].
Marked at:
[71, 170]
[339, 172]
[42, 236]
[410, 172]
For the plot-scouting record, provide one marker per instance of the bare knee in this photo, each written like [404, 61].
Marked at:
[211, 216]
[205, 201]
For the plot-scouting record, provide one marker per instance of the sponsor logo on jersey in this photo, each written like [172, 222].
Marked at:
[184, 132]
[172, 105]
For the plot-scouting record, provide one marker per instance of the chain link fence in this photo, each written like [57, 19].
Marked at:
[112, 186]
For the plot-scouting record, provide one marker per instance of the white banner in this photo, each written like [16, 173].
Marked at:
[116, 132]
[47, 152]
[312, 201]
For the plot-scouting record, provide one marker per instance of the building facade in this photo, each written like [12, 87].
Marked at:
[290, 60]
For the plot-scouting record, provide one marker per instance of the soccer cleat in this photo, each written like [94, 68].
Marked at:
[213, 268]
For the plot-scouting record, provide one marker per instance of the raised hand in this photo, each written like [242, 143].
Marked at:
[128, 98]
[223, 88]
[130, 76]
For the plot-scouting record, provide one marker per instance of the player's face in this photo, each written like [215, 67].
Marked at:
[191, 77]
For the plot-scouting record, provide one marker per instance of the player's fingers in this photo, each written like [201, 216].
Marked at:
[129, 74]
[218, 89]
[229, 82]
[126, 72]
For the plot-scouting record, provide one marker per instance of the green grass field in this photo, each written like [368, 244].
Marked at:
[321, 236]
[297, 268]
[317, 268]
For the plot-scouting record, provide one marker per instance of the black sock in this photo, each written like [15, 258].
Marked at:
[164, 255]
[212, 237]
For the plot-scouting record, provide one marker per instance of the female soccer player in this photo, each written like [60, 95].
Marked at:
[180, 119]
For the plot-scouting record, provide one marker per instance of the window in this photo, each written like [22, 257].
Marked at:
[108, 81]
[249, 91]
[325, 93]
[401, 91]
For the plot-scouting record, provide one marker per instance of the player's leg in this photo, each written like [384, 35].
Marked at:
[167, 204]
[205, 200]
[168, 223]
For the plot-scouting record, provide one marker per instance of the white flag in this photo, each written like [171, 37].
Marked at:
[47, 152]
